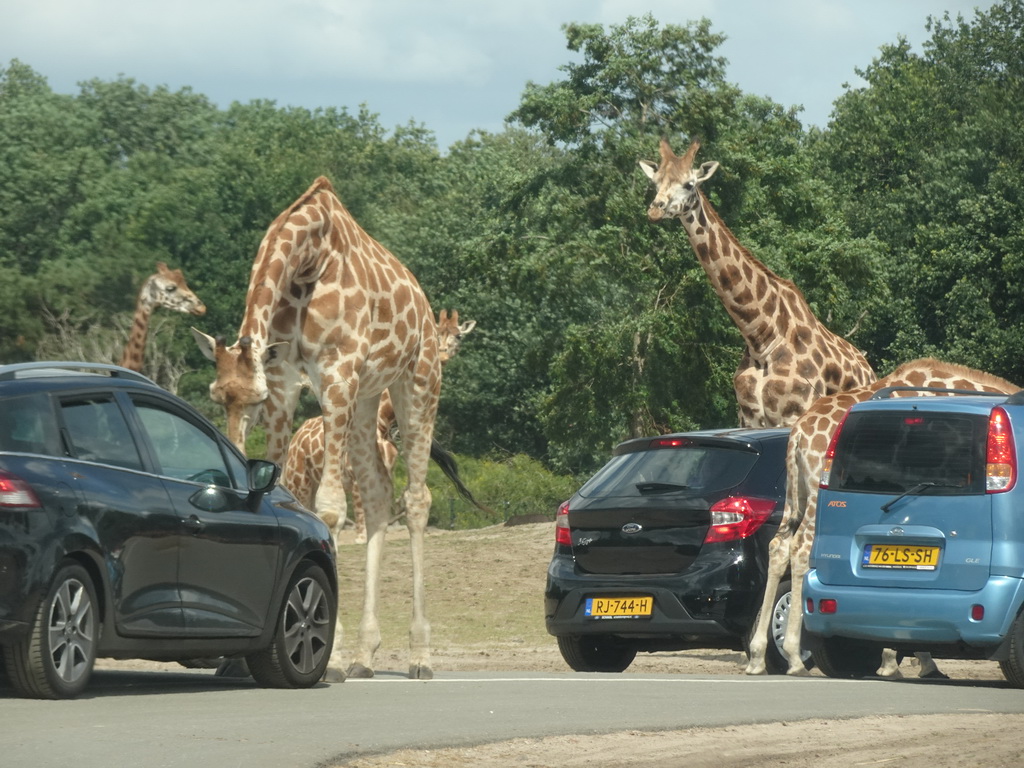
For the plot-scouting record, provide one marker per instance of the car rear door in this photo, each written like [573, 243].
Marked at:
[129, 510]
[906, 503]
[229, 556]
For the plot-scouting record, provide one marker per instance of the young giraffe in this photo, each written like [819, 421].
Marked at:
[328, 301]
[791, 359]
[164, 288]
[305, 463]
[790, 549]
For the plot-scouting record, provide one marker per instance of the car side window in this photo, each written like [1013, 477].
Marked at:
[98, 432]
[183, 450]
[27, 426]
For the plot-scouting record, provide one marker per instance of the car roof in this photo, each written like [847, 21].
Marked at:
[20, 378]
[975, 403]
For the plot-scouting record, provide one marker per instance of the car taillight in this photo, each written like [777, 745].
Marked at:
[826, 465]
[15, 492]
[563, 535]
[738, 517]
[1001, 455]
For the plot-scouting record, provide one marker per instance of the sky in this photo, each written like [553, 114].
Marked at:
[454, 66]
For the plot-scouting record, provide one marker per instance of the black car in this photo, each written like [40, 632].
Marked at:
[666, 549]
[131, 528]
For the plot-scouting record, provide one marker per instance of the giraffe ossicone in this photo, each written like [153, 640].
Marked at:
[329, 303]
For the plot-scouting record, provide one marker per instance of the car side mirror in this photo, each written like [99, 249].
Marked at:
[263, 475]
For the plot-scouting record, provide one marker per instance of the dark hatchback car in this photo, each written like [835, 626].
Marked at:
[131, 528]
[666, 548]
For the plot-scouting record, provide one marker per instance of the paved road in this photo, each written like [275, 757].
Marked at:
[157, 719]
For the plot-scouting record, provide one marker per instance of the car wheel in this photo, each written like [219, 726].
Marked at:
[775, 660]
[55, 659]
[1013, 667]
[845, 658]
[301, 647]
[594, 653]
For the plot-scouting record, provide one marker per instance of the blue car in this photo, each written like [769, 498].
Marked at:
[920, 535]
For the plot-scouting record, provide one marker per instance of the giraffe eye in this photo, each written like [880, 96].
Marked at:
[171, 288]
[688, 186]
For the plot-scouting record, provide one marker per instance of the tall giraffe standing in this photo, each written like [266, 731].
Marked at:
[805, 456]
[304, 466]
[328, 301]
[790, 359]
[164, 288]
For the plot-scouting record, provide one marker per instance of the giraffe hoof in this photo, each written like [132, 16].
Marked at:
[755, 669]
[798, 671]
[334, 675]
[420, 672]
[357, 670]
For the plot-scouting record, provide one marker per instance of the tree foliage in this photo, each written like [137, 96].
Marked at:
[901, 221]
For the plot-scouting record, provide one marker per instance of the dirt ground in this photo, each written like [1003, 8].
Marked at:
[466, 569]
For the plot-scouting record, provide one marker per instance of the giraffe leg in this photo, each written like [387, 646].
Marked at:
[415, 411]
[376, 494]
[330, 500]
[791, 647]
[778, 561]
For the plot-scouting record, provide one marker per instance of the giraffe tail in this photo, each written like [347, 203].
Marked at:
[446, 462]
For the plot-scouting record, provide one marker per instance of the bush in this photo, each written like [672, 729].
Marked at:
[515, 486]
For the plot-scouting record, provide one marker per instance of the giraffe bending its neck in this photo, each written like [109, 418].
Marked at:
[790, 359]
[805, 455]
[164, 288]
[328, 301]
[304, 467]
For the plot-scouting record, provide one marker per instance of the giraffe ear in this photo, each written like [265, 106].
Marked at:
[467, 326]
[707, 170]
[207, 344]
[649, 168]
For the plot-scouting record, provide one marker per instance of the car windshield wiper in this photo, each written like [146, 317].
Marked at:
[917, 489]
[660, 487]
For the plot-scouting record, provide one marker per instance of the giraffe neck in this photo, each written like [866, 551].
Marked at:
[751, 293]
[136, 346]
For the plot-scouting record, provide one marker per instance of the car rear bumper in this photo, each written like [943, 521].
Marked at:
[924, 616]
[686, 609]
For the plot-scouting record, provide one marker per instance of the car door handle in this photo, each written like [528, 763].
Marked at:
[193, 524]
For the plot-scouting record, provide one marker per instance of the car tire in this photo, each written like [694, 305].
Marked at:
[845, 658]
[774, 660]
[298, 654]
[55, 659]
[595, 653]
[1013, 667]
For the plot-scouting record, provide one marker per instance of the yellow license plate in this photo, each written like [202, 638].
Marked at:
[618, 607]
[911, 557]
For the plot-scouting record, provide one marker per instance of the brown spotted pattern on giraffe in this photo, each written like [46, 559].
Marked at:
[730, 267]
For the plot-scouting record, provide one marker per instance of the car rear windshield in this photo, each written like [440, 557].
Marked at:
[896, 451]
[670, 469]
